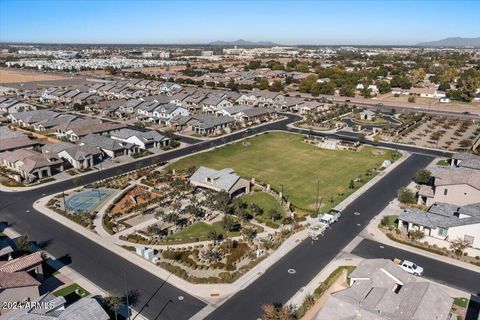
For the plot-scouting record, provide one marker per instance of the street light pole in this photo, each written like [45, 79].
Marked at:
[126, 294]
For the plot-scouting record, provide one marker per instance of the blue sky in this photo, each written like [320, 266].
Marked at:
[286, 22]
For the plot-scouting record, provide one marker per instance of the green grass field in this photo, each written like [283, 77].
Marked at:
[282, 158]
[266, 202]
[199, 232]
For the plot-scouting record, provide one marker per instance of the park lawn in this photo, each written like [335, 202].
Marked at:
[200, 231]
[266, 202]
[69, 293]
[282, 158]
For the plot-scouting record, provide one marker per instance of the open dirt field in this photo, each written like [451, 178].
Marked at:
[15, 76]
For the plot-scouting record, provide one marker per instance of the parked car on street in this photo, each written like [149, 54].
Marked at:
[409, 266]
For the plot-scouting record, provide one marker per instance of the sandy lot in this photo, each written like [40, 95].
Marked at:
[15, 76]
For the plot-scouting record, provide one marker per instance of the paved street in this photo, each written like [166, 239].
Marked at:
[107, 270]
[438, 271]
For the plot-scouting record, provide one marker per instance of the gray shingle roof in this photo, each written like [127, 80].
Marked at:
[371, 296]
[223, 179]
[443, 215]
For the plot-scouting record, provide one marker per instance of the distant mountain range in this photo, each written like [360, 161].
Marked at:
[453, 42]
[242, 42]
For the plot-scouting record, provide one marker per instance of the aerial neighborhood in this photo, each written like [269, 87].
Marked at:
[148, 171]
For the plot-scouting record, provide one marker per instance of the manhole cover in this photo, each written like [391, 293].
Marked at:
[382, 247]
[358, 224]
[291, 271]
[27, 210]
[356, 213]
[180, 298]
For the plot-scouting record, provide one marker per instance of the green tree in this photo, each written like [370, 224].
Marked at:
[459, 245]
[351, 185]
[277, 86]
[383, 87]
[347, 91]
[423, 176]
[416, 235]
[406, 196]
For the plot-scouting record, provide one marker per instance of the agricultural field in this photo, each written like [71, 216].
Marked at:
[15, 76]
[283, 159]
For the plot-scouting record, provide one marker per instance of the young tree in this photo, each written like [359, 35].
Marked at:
[423, 176]
[458, 245]
[406, 196]
[416, 235]
[351, 185]
[276, 312]
[22, 244]
[274, 214]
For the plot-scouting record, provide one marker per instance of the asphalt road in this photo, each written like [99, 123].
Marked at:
[435, 270]
[159, 300]
[310, 257]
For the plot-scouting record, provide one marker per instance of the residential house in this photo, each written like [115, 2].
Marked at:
[169, 88]
[235, 111]
[214, 103]
[206, 125]
[29, 118]
[10, 105]
[457, 186]
[110, 147]
[427, 92]
[445, 222]
[380, 290]
[258, 114]
[164, 112]
[20, 279]
[465, 160]
[50, 307]
[220, 180]
[143, 139]
[51, 123]
[76, 132]
[30, 165]
[12, 140]
[78, 156]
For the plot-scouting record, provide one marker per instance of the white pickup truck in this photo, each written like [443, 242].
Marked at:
[329, 218]
[409, 266]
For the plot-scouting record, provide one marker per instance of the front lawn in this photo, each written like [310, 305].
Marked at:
[71, 293]
[282, 158]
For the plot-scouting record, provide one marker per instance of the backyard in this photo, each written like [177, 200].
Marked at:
[282, 158]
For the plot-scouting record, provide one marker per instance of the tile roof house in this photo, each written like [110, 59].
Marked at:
[29, 118]
[143, 139]
[110, 147]
[381, 290]
[458, 186]
[466, 160]
[164, 112]
[49, 307]
[445, 222]
[11, 105]
[209, 124]
[80, 130]
[79, 156]
[12, 140]
[30, 165]
[220, 180]
[19, 278]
